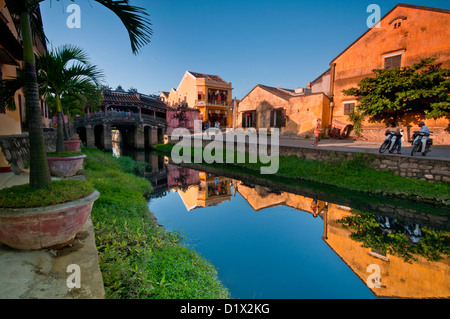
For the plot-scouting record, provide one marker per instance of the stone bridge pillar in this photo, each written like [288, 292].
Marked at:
[90, 136]
[153, 136]
[139, 137]
[107, 137]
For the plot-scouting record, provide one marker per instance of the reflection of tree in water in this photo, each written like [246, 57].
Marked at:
[399, 238]
[182, 178]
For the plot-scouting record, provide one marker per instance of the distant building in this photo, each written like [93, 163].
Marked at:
[11, 59]
[293, 111]
[210, 94]
[407, 34]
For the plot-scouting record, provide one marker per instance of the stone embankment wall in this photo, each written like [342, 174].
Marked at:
[414, 167]
[407, 166]
[16, 149]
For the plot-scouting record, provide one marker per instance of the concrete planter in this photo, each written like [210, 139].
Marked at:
[73, 145]
[44, 227]
[65, 166]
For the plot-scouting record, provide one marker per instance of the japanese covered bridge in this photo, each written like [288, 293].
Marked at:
[133, 119]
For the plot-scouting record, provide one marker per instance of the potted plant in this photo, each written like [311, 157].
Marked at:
[26, 15]
[32, 220]
[73, 145]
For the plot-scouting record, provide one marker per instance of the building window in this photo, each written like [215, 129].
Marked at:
[278, 118]
[393, 62]
[349, 108]
[397, 25]
[249, 119]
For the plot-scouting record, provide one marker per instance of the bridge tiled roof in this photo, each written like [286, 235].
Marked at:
[132, 99]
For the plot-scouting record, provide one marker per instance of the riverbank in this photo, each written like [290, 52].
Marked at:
[138, 258]
[351, 175]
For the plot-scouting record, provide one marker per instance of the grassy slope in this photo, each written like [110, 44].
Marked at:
[138, 259]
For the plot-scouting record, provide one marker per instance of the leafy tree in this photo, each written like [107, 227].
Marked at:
[26, 15]
[433, 245]
[423, 87]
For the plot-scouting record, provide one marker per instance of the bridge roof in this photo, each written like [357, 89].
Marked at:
[118, 98]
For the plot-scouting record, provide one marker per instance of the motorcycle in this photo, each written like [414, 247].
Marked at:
[390, 143]
[417, 143]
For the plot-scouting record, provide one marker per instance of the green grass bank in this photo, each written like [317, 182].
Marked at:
[352, 175]
[138, 259]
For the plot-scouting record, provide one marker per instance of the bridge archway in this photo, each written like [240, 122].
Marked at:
[82, 134]
[99, 136]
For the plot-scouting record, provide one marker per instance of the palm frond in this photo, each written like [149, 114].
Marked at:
[8, 89]
[17, 7]
[135, 19]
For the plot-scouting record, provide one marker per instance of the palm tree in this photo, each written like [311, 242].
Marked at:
[26, 13]
[65, 70]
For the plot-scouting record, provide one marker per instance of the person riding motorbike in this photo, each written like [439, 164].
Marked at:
[423, 129]
[394, 128]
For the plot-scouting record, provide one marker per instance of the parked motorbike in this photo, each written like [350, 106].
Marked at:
[390, 143]
[417, 143]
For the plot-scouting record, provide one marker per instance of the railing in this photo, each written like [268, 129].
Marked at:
[128, 116]
[212, 103]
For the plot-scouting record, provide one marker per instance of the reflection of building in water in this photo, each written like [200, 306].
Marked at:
[419, 279]
[260, 197]
[181, 177]
[211, 190]
[399, 279]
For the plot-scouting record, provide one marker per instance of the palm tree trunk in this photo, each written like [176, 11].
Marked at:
[65, 126]
[39, 170]
[60, 128]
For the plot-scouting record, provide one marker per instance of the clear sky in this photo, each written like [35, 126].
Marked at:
[282, 43]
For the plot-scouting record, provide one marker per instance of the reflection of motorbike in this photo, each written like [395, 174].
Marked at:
[413, 231]
[386, 223]
[417, 144]
[391, 142]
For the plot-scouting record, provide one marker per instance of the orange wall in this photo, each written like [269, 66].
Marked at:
[424, 34]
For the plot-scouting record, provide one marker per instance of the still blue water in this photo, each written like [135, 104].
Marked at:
[273, 253]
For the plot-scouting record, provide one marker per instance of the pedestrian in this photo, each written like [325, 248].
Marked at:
[317, 132]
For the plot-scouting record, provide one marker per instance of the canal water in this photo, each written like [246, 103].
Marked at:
[274, 244]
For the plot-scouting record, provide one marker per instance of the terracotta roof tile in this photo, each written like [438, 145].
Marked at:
[214, 78]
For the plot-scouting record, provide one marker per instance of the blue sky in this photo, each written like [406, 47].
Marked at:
[282, 43]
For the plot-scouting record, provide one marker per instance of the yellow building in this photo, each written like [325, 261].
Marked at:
[293, 111]
[210, 94]
[11, 56]
[407, 34]
[211, 191]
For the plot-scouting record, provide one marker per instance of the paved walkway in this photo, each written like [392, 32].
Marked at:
[440, 152]
[43, 274]
[437, 151]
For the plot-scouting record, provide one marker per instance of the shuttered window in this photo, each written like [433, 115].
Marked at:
[349, 108]
[249, 119]
[393, 62]
[278, 118]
